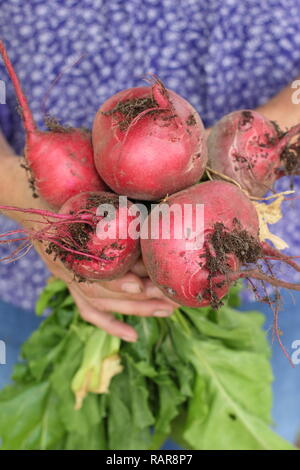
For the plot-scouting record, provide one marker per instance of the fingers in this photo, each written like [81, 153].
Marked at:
[119, 288]
[139, 268]
[149, 307]
[142, 308]
[135, 287]
[207, 131]
[104, 320]
[153, 292]
[98, 312]
[129, 284]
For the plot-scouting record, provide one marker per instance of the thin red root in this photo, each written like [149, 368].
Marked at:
[80, 216]
[29, 123]
[48, 234]
[42, 212]
[295, 130]
[55, 81]
[274, 254]
[276, 330]
[255, 274]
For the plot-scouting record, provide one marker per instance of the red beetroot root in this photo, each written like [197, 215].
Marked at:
[197, 276]
[200, 275]
[60, 161]
[149, 142]
[72, 235]
[250, 149]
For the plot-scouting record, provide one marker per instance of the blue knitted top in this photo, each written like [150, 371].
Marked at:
[221, 55]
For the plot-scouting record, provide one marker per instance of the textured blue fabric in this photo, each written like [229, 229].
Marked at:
[15, 327]
[286, 386]
[220, 54]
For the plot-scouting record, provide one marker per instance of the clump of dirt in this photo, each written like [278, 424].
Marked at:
[222, 242]
[239, 242]
[129, 109]
[290, 157]
[95, 200]
[191, 121]
[280, 132]
[53, 125]
[80, 233]
[77, 237]
[30, 177]
[246, 120]
[270, 141]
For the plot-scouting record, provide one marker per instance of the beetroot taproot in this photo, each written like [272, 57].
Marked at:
[148, 142]
[86, 250]
[195, 263]
[196, 274]
[250, 149]
[60, 161]
[92, 235]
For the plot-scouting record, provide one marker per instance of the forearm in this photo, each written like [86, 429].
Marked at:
[281, 108]
[14, 186]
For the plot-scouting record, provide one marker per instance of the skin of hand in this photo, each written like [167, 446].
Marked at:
[133, 294]
[281, 107]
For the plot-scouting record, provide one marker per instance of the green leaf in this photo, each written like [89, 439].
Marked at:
[129, 405]
[101, 361]
[230, 408]
[95, 439]
[52, 288]
[29, 418]
[235, 329]
[61, 378]
[169, 398]
[233, 298]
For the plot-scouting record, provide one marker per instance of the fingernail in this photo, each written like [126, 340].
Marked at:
[129, 338]
[131, 288]
[153, 292]
[161, 313]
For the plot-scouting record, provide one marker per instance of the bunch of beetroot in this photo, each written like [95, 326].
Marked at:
[149, 144]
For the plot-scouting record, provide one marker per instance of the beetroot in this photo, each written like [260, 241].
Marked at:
[250, 149]
[198, 268]
[197, 276]
[60, 161]
[107, 258]
[75, 235]
[148, 142]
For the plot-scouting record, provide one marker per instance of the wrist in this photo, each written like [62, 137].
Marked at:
[282, 109]
[14, 188]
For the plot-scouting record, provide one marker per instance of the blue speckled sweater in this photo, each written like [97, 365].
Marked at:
[219, 54]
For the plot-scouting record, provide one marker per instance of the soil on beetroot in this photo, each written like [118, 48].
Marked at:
[221, 243]
[191, 121]
[78, 237]
[80, 233]
[242, 161]
[95, 200]
[246, 119]
[290, 157]
[31, 179]
[53, 125]
[126, 111]
[279, 131]
[269, 142]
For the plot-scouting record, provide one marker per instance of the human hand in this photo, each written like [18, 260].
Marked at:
[283, 108]
[133, 294]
